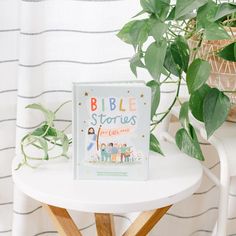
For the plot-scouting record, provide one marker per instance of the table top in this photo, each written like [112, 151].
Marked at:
[172, 179]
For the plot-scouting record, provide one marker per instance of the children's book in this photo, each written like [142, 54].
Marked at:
[111, 124]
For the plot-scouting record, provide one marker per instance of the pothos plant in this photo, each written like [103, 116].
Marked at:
[159, 35]
[45, 138]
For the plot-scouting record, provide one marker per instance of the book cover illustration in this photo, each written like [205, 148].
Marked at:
[112, 131]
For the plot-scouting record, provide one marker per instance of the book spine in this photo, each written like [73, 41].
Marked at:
[74, 134]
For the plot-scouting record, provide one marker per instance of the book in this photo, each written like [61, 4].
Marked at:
[111, 130]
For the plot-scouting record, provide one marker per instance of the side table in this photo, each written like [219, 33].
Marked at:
[172, 179]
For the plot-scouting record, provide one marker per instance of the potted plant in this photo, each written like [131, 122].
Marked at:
[170, 41]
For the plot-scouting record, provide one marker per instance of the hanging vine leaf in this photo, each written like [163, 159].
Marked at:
[197, 74]
[224, 9]
[155, 87]
[216, 107]
[214, 31]
[135, 62]
[196, 101]
[180, 53]
[189, 144]
[170, 64]
[183, 116]
[155, 145]
[135, 32]
[154, 58]
[160, 8]
[229, 52]
[157, 29]
[184, 7]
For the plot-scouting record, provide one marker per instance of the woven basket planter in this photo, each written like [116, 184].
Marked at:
[223, 73]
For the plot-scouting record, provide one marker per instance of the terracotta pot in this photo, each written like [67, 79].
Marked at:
[223, 73]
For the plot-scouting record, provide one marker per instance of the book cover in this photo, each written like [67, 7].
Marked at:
[111, 124]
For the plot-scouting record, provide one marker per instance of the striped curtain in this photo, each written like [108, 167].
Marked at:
[44, 46]
[9, 32]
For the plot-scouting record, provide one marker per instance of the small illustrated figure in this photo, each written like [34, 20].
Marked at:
[114, 151]
[93, 139]
[123, 150]
[109, 151]
[127, 154]
[104, 153]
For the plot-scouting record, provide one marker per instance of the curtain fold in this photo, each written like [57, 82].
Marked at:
[9, 30]
[61, 42]
[44, 46]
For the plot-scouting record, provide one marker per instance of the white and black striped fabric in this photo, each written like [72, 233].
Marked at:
[9, 31]
[44, 46]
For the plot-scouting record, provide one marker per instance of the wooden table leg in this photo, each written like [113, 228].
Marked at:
[145, 222]
[63, 221]
[105, 224]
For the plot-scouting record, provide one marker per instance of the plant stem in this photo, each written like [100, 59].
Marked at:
[177, 27]
[168, 76]
[198, 46]
[160, 113]
[61, 106]
[170, 107]
[172, 32]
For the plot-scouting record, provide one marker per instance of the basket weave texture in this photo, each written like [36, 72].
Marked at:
[223, 73]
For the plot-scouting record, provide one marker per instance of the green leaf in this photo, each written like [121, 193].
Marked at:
[163, 9]
[135, 32]
[41, 131]
[196, 101]
[183, 115]
[135, 62]
[229, 52]
[184, 7]
[197, 74]
[188, 144]
[155, 87]
[216, 107]
[180, 53]
[171, 15]
[206, 14]
[51, 132]
[154, 58]
[37, 107]
[213, 31]
[49, 115]
[160, 8]
[155, 145]
[149, 6]
[170, 64]
[157, 29]
[224, 9]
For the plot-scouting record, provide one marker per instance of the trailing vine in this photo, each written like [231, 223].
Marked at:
[46, 138]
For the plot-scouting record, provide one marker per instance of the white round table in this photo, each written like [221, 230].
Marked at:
[173, 178]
